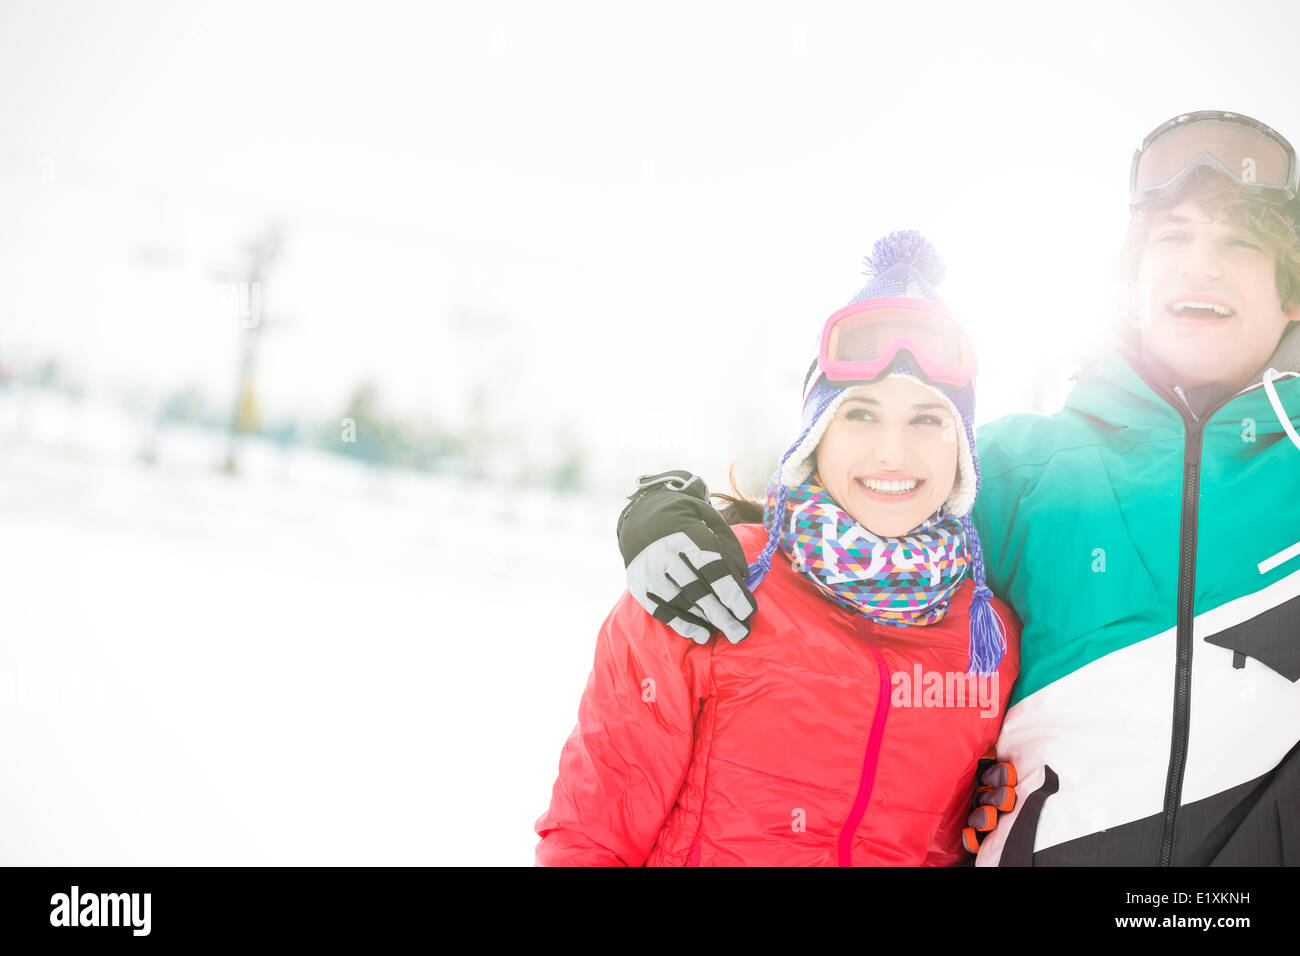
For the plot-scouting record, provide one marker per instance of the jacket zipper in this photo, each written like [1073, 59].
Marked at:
[1186, 617]
[1192, 444]
[694, 858]
[872, 757]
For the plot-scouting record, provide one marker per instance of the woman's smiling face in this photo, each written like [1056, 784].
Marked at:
[889, 456]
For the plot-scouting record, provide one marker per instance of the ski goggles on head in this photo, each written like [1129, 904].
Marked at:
[1251, 154]
[860, 342]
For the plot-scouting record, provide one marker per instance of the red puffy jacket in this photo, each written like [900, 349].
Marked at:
[821, 739]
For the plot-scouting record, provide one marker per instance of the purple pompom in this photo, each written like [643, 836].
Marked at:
[906, 245]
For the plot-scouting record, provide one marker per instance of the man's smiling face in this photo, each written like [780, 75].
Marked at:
[1208, 310]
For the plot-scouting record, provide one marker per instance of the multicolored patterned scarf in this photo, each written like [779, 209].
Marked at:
[905, 581]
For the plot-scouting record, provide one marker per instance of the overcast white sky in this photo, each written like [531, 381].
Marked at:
[630, 217]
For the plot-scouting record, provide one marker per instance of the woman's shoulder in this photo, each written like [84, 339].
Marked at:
[752, 538]
[1006, 615]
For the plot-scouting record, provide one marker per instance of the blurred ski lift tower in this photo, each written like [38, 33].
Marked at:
[247, 292]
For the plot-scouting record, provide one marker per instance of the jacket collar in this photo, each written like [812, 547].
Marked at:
[1122, 391]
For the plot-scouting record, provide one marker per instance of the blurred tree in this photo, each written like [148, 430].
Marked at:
[184, 405]
[569, 473]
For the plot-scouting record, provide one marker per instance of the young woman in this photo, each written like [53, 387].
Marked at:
[847, 727]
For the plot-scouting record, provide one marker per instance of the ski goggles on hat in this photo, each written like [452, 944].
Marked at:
[1245, 150]
[861, 341]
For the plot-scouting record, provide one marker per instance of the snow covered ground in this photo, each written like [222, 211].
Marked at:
[315, 662]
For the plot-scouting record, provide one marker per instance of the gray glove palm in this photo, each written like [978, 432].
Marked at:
[684, 564]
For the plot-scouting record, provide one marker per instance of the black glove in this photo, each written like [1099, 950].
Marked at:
[684, 564]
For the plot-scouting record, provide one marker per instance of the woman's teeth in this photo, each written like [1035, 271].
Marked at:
[889, 487]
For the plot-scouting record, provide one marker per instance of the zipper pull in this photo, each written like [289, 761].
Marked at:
[1186, 404]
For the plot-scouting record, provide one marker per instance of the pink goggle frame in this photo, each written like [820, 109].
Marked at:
[861, 340]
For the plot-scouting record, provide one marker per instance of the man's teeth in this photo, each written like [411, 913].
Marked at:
[1184, 305]
[890, 487]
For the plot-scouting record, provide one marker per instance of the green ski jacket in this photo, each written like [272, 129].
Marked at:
[1153, 556]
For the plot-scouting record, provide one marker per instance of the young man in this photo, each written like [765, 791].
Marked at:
[1148, 536]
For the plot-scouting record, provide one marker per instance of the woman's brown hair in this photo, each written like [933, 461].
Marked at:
[739, 507]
